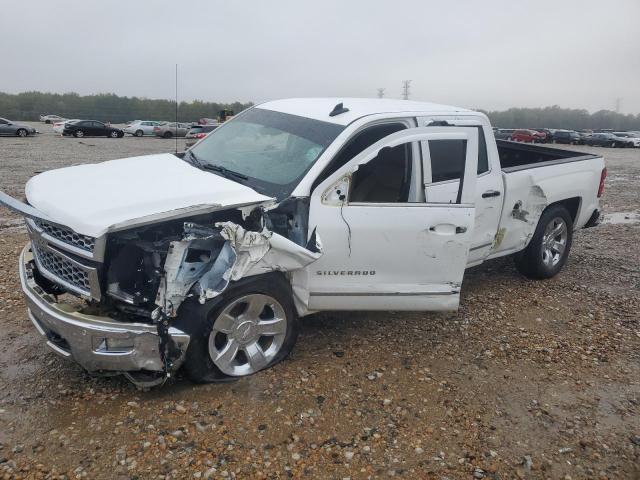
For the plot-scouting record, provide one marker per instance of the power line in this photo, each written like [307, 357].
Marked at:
[405, 89]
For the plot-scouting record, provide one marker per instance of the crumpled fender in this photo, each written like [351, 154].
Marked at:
[244, 253]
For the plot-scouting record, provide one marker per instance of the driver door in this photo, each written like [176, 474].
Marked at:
[383, 250]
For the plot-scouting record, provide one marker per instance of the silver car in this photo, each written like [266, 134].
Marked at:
[169, 130]
[7, 127]
[138, 128]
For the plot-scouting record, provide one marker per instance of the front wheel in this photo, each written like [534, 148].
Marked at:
[22, 132]
[254, 326]
[78, 134]
[549, 247]
[139, 133]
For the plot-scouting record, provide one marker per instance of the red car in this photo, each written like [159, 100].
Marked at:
[529, 136]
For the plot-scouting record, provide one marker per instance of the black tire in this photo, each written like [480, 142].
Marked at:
[529, 261]
[47, 122]
[113, 134]
[78, 134]
[198, 320]
[139, 133]
[22, 132]
[167, 135]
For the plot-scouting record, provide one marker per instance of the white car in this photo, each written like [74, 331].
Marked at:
[208, 259]
[51, 118]
[138, 128]
[58, 127]
[630, 137]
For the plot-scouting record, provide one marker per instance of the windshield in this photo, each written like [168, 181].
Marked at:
[274, 150]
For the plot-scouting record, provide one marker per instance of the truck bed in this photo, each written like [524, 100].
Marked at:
[516, 156]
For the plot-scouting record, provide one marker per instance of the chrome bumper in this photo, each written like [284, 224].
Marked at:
[97, 343]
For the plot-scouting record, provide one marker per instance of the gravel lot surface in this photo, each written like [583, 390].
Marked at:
[528, 380]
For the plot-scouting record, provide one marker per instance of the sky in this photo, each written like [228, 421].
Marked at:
[490, 54]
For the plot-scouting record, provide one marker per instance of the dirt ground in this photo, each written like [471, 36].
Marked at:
[528, 379]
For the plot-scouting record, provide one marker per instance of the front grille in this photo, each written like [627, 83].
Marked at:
[61, 268]
[67, 235]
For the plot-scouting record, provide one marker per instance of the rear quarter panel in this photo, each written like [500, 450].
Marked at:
[528, 192]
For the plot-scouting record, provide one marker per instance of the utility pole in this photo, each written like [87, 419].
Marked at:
[618, 102]
[405, 89]
[380, 92]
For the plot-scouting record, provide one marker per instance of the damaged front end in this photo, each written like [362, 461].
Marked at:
[128, 320]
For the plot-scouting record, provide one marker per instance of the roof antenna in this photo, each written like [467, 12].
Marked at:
[176, 109]
[338, 109]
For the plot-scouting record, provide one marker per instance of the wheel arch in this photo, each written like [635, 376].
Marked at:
[572, 205]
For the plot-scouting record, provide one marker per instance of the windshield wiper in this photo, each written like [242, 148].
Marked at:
[223, 170]
[195, 161]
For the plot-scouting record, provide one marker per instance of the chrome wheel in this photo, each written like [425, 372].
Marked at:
[80, 134]
[22, 132]
[248, 334]
[113, 134]
[554, 242]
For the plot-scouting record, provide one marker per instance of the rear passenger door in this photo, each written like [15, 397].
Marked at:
[381, 250]
[441, 183]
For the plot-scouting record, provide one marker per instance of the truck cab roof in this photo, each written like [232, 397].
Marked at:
[320, 108]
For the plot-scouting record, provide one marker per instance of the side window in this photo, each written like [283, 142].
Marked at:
[483, 159]
[385, 178]
[447, 159]
[357, 144]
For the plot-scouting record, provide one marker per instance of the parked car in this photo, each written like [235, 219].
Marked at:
[58, 127]
[169, 130]
[503, 133]
[527, 136]
[207, 121]
[138, 128]
[546, 135]
[633, 140]
[568, 137]
[51, 118]
[91, 128]
[207, 260]
[197, 133]
[607, 140]
[8, 127]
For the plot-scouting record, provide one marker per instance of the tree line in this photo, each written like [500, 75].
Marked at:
[107, 107]
[116, 109]
[568, 118]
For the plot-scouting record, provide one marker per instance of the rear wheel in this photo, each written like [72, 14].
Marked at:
[22, 132]
[254, 326]
[549, 247]
[167, 135]
[78, 134]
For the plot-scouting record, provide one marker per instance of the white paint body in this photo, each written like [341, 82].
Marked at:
[417, 251]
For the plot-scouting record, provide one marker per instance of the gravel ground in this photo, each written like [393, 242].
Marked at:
[527, 380]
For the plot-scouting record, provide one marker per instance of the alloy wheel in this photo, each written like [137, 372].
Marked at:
[247, 334]
[554, 242]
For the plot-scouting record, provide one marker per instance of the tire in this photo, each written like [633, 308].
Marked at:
[167, 135]
[78, 134]
[546, 253]
[22, 132]
[113, 134]
[139, 133]
[47, 122]
[227, 324]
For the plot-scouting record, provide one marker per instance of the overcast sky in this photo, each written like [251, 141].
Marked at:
[479, 54]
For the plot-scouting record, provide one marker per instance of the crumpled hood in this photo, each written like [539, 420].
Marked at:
[117, 194]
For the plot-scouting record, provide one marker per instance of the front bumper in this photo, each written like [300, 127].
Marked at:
[97, 343]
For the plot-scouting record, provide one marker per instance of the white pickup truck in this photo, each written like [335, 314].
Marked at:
[208, 259]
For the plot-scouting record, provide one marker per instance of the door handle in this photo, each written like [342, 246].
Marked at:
[447, 229]
[491, 193]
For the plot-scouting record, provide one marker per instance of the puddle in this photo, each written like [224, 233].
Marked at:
[621, 218]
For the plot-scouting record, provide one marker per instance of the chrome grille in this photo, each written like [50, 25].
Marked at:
[58, 268]
[67, 235]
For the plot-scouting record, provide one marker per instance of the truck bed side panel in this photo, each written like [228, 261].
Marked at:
[528, 191]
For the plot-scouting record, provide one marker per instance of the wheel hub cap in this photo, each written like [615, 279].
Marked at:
[554, 242]
[247, 334]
